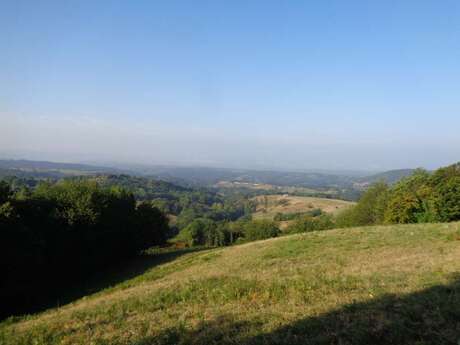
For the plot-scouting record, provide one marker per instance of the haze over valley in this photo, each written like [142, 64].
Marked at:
[229, 172]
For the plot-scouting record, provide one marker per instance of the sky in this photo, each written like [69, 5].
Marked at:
[363, 85]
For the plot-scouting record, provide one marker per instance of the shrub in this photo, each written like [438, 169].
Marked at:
[309, 223]
[260, 229]
[294, 215]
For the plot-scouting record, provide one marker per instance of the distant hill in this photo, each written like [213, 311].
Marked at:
[202, 176]
[24, 164]
[205, 176]
[45, 169]
[268, 206]
[390, 177]
[142, 187]
[191, 176]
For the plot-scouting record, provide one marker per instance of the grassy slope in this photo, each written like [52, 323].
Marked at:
[292, 204]
[372, 285]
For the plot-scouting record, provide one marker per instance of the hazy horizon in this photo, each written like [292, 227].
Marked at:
[136, 167]
[260, 85]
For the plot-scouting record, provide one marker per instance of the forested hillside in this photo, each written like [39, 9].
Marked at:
[419, 198]
[56, 232]
[324, 182]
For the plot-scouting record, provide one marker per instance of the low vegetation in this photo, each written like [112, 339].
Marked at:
[395, 284]
[270, 206]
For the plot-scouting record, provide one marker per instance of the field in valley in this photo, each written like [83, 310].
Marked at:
[269, 205]
[371, 285]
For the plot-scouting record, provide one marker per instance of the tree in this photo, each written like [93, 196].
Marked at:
[152, 226]
[260, 229]
[446, 193]
[61, 232]
[5, 192]
[409, 200]
[201, 231]
[310, 223]
[370, 208]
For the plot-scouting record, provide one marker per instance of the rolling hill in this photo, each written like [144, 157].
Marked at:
[390, 177]
[371, 285]
[28, 165]
[269, 205]
[45, 169]
[325, 182]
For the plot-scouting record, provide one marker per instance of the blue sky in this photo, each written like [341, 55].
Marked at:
[257, 84]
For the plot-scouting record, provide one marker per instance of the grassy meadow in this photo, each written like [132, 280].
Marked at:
[396, 284]
[269, 205]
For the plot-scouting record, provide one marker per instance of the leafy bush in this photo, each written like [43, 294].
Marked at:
[260, 230]
[291, 216]
[310, 223]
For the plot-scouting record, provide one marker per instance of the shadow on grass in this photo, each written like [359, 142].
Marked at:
[431, 316]
[95, 282]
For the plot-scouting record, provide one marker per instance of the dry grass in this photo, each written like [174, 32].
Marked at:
[268, 206]
[395, 284]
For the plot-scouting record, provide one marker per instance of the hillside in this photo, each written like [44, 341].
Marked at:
[371, 285]
[208, 176]
[340, 184]
[28, 165]
[390, 177]
[269, 205]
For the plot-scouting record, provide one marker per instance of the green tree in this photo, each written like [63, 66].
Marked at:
[446, 193]
[309, 223]
[260, 229]
[370, 208]
[410, 200]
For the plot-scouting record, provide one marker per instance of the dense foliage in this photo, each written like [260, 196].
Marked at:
[260, 230]
[59, 233]
[296, 215]
[188, 204]
[310, 223]
[206, 232]
[419, 198]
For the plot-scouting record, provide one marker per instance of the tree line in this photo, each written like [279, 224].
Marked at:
[59, 233]
[185, 203]
[420, 198]
[206, 232]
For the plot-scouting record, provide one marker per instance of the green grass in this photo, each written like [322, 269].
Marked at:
[370, 285]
